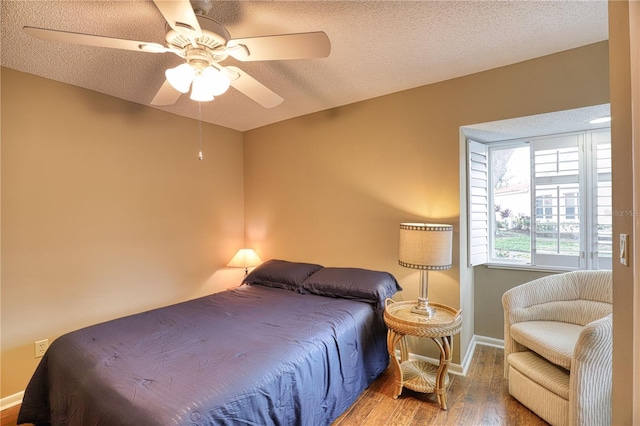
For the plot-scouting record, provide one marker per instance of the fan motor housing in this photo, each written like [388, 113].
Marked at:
[214, 36]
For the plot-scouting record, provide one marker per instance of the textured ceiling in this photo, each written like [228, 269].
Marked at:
[377, 47]
[535, 125]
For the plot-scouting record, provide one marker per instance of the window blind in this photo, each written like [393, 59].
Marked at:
[478, 200]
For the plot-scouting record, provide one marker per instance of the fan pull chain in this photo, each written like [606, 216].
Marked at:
[200, 156]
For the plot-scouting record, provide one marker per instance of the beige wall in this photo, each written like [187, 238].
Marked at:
[490, 284]
[106, 211]
[332, 187]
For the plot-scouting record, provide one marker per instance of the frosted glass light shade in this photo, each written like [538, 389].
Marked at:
[245, 258]
[204, 84]
[180, 77]
[200, 90]
[216, 82]
[425, 246]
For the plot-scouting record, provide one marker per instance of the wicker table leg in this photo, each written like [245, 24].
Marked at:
[445, 360]
[392, 340]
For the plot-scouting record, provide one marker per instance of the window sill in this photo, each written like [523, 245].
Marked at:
[531, 268]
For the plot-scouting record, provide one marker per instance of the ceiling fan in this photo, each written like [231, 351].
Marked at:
[203, 44]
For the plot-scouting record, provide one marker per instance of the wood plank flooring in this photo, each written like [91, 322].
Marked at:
[479, 399]
[9, 416]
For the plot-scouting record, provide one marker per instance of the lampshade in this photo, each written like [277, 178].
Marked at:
[180, 77]
[217, 83]
[425, 246]
[200, 90]
[245, 258]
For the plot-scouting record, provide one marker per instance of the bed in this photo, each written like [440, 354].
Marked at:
[295, 346]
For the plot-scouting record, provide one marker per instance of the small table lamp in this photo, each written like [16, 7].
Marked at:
[245, 258]
[425, 246]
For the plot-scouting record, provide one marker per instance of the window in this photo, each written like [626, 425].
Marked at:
[550, 197]
[543, 207]
[570, 202]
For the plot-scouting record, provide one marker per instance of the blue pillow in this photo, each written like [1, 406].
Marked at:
[281, 274]
[352, 283]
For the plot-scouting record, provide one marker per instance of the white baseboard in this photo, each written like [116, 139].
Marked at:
[462, 368]
[468, 357]
[11, 400]
[453, 368]
[489, 341]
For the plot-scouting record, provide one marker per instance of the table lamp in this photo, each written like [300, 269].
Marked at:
[245, 258]
[425, 247]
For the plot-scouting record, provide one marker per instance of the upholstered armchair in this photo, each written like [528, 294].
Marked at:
[557, 346]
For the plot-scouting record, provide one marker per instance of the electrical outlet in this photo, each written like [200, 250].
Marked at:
[41, 347]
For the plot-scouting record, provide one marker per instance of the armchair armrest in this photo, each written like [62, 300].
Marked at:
[590, 380]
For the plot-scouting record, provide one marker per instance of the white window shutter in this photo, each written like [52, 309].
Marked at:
[600, 197]
[478, 203]
[558, 174]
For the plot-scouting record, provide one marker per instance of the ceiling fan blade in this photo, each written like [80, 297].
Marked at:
[284, 46]
[255, 90]
[180, 16]
[167, 95]
[93, 40]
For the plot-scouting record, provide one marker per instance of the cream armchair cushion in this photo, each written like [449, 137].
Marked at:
[552, 340]
[558, 336]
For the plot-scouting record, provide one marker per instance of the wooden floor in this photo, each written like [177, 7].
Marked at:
[480, 398]
[9, 416]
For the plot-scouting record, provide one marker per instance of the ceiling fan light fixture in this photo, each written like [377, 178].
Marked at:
[181, 77]
[217, 83]
[200, 90]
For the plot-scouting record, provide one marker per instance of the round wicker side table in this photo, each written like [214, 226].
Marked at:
[421, 376]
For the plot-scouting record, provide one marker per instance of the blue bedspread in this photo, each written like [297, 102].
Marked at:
[251, 356]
